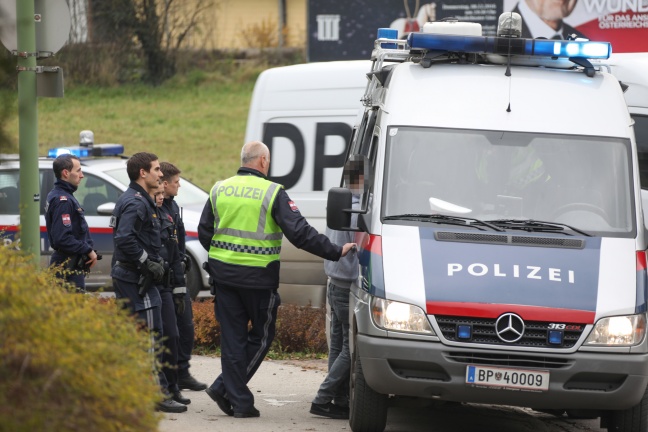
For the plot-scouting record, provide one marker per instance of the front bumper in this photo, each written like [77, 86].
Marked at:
[433, 370]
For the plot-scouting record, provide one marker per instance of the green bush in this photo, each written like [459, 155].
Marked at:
[69, 362]
[300, 329]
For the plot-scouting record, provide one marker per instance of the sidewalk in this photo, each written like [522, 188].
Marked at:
[283, 392]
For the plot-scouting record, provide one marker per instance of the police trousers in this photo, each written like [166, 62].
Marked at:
[243, 350]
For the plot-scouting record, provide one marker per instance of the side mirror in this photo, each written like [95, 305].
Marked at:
[106, 209]
[339, 200]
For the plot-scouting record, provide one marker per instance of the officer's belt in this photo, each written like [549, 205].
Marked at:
[128, 266]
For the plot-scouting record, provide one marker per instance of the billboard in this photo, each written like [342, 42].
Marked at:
[346, 30]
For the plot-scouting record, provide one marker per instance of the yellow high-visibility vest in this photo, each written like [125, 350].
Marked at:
[244, 231]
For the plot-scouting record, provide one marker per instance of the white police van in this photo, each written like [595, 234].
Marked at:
[502, 248]
[105, 179]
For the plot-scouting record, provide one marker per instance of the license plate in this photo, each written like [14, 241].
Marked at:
[520, 379]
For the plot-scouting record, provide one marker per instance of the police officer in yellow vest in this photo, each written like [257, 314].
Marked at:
[241, 226]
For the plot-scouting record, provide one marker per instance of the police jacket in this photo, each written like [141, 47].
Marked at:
[170, 251]
[136, 230]
[67, 230]
[293, 225]
[172, 208]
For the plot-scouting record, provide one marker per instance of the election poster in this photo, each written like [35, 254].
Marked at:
[346, 30]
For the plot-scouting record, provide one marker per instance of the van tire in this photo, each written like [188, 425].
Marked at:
[633, 419]
[368, 408]
[194, 279]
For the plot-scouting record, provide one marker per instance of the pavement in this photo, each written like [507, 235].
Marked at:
[283, 392]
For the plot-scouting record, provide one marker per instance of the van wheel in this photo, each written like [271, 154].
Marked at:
[194, 279]
[633, 419]
[368, 409]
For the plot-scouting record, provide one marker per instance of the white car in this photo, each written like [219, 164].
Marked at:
[105, 180]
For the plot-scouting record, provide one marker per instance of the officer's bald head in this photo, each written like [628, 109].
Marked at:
[256, 155]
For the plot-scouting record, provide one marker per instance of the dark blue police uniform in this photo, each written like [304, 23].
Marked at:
[185, 319]
[136, 236]
[170, 253]
[67, 231]
[250, 293]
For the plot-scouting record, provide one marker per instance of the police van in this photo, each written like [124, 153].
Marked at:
[502, 245]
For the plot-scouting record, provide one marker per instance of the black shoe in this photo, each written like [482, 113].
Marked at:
[188, 382]
[222, 402]
[329, 410]
[170, 406]
[177, 396]
[252, 412]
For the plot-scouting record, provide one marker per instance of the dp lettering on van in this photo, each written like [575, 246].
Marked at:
[321, 160]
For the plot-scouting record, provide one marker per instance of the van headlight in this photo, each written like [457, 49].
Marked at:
[393, 315]
[618, 331]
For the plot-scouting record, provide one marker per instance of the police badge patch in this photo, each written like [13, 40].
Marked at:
[67, 221]
[293, 206]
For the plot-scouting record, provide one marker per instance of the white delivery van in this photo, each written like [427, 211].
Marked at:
[502, 248]
[305, 114]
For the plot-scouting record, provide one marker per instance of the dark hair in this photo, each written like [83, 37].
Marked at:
[137, 162]
[63, 162]
[168, 170]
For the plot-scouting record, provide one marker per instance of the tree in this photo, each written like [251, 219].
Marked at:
[159, 26]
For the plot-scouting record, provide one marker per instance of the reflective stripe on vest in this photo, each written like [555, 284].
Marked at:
[243, 232]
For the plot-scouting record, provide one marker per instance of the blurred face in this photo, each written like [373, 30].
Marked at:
[552, 10]
[158, 196]
[74, 175]
[171, 186]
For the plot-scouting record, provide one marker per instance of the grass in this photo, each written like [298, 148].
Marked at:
[197, 124]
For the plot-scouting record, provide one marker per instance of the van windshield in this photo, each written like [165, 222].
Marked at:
[584, 182]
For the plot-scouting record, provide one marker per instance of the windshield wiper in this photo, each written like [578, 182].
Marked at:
[440, 218]
[536, 225]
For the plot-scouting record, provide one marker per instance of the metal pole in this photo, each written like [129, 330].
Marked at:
[28, 131]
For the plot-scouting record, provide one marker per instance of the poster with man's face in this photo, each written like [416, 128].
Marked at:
[346, 30]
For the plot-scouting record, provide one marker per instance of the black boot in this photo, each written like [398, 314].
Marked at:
[177, 396]
[187, 382]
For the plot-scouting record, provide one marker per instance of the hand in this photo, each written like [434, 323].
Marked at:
[348, 247]
[156, 269]
[92, 259]
[179, 299]
[186, 261]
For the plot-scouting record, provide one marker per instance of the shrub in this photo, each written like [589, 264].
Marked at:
[299, 329]
[69, 362]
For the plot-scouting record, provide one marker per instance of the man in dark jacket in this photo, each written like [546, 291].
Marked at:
[545, 19]
[242, 226]
[67, 229]
[137, 268]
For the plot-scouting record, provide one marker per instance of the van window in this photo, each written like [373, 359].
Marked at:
[580, 181]
[641, 135]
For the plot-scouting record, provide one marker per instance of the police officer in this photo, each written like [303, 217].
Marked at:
[137, 267]
[67, 229]
[242, 225]
[181, 298]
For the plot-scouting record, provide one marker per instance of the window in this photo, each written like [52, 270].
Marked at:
[94, 191]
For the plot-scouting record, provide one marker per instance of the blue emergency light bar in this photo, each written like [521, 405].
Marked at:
[510, 46]
[81, 152]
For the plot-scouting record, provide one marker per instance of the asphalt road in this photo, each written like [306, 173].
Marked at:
[284, 390]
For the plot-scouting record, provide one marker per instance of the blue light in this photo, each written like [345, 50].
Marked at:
[387, 33]
[506, 46]
[75, 151]
[464, 331]
[555, 337]
[82, 152]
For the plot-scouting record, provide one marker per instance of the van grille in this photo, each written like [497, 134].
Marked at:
[503, 239]
[536, 333]
[508, 360]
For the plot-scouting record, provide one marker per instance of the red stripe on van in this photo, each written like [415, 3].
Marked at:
[528, 313]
